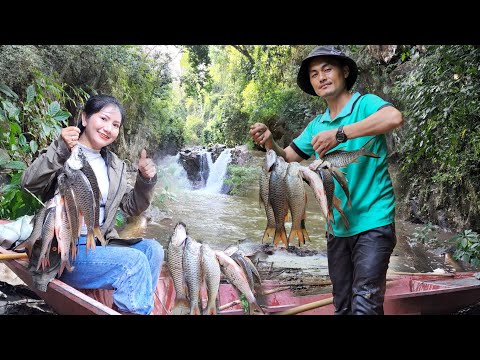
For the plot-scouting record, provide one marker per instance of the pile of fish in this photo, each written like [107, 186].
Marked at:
[59, 222]
[282, 189]
[193, 265]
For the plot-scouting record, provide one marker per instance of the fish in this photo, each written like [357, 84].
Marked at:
[136, 227]
[193, 273]
[332, 200]
[336, 173]
[239, 259]
[341, 158]
[297, 201]
[36, 233]
[63, 233]
[97, 195]
[278, 199]
[264, 180]
[211, 272]
[236, 276]
[85, 200]
[314, 181]
[175, 249]
[247, 265]
[270, 158]
[48, 233]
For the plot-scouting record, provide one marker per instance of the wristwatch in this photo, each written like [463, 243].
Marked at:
[340, 136]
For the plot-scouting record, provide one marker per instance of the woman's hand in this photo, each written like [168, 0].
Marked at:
[146, 166]
[70, 136]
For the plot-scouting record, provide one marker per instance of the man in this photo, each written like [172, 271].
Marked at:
[358, 257]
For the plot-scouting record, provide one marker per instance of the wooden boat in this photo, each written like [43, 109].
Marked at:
[406, 294]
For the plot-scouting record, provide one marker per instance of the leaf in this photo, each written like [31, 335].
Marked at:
[7, 91]
[33, 146]
[53, 108]
[15, 165]
[62, 115]
[30, 93]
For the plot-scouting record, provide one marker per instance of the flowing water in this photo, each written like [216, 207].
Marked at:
[221, 220]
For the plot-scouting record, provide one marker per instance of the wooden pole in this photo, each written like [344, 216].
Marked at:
[419, 274]
[306, 307]
[11, 256]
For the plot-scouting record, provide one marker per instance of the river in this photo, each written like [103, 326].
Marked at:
[221, 220]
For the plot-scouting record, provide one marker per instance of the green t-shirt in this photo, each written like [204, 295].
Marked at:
[369, 183]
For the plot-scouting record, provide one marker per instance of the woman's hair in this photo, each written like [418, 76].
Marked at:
[96, 103]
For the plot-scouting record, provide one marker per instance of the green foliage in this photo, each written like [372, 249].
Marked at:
[467, 247]
[120, 219]
[442, 112]
[27, 124]
[240, 178]
[244, 303]
[422, 234]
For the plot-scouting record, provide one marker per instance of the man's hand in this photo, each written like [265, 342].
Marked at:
[324, 141]
[261, 135]
[146, 166]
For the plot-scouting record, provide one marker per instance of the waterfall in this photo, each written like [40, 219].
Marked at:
[217, 171]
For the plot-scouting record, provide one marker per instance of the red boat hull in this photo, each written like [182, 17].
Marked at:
[406, 294]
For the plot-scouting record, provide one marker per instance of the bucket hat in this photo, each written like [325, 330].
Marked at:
[303, 77]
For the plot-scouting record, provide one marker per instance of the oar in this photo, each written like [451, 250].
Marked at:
[306, 307]
[12, 256]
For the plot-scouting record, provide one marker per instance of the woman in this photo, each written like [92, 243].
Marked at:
[131, 271]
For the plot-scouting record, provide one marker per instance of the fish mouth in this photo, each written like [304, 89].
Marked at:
[179, 234]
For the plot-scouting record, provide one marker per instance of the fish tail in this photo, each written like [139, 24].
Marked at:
[211, 310]
[366, 149]
[297, 233]
[268, 232]
[99, 235]
[195, 310]
[304, 228]
[254, 306]
[280, 236]
[90, 240]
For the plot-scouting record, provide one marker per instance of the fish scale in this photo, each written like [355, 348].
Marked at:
[296, 198]
[211, 271]
[175, 263]
[278, 199]
[193, 273]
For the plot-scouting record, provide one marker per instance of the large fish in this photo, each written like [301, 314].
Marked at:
[314, 181]
[236, 276]
[211, 272]
[97, 195]
[341, 158]
[264, 186]
[193, 273]
[36, 233]
[175, 249]
[72, 210]
[85, 200]
[278, 199]
[297, 201]
[48, 233]
[63, 233]
[332, 201]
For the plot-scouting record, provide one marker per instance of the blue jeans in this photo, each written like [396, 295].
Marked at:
[131, 271]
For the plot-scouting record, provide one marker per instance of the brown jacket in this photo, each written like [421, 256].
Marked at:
[41, 179]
